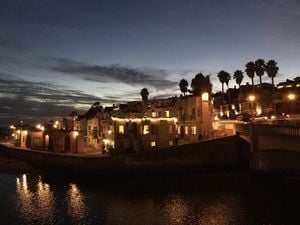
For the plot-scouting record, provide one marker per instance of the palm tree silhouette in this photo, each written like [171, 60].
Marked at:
[224, 77]
[260, 68]
[250, 71]
[144, 94]
[200, 84]
[272, 71]
[183, 85]
[238, 76]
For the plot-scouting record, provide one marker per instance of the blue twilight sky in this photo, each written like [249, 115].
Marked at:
[60, 55]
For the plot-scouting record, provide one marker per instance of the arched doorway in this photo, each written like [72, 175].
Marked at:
[67, 143]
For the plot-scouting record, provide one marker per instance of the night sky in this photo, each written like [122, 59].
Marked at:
[59, 55]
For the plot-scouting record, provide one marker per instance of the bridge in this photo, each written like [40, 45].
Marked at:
[272, 147]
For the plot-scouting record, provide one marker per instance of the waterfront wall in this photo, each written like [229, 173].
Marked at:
[273, 147]
[222, 153]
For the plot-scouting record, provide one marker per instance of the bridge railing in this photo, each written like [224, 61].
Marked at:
[263, 129]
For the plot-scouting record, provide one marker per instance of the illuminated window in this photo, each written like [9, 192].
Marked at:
[170, 129]
[186, 130]
[121, 129]
[153, 143]
[205, 96]
[167, 113]
[178, 130]
[146, 129]
[154, 114]
[171, 143]
[193, 130]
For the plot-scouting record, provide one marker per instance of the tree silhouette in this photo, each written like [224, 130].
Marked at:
[238, 76]
[144, 94]
[260, 68]
[272, 70]
[200, 84]
[224, 77]
[183, 85]
[250, 71]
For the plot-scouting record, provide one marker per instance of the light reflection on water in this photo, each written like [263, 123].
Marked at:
[77, 209]
[36, 204]
[55, 201]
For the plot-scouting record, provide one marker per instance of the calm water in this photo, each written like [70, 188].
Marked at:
[210, 199]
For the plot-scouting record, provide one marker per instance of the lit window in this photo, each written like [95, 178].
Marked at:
[205, 96]
[153, 143]
[279, 87]
[178, 130]
[170, 142]
[167, 113]
[154, 114]
[121, 129]
[146, 129]
[193, 130]
[186, 130]
[170, 129]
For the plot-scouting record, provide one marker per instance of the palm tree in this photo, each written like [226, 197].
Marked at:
[260, 68]
[250, 71]
[183, 85]
[238, 76]
[201, 83]
[272, 71]
[144, 94]
[224, 77]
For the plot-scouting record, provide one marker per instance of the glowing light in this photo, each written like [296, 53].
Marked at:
[153, 143]
[139, 120]
[75, 133]
[291, 96]
[167, 113]
[273, 117]
[18, 131]
[205, 96]
[121, 129]
[251, 98]
[25, 132]
[12, 127]
[55, 126]
[216, 117]
[13, 135]
[109, 131]
[56, 122]
[146, 129]
[258, 111]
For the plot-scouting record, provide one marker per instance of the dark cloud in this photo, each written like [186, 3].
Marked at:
[32, 101]
[115, 73]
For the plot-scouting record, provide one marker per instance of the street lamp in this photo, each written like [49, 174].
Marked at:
[291, 97]
[251, 98]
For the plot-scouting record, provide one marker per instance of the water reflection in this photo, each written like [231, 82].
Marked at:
[36, 205]
[77, 208]
[176, 209]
